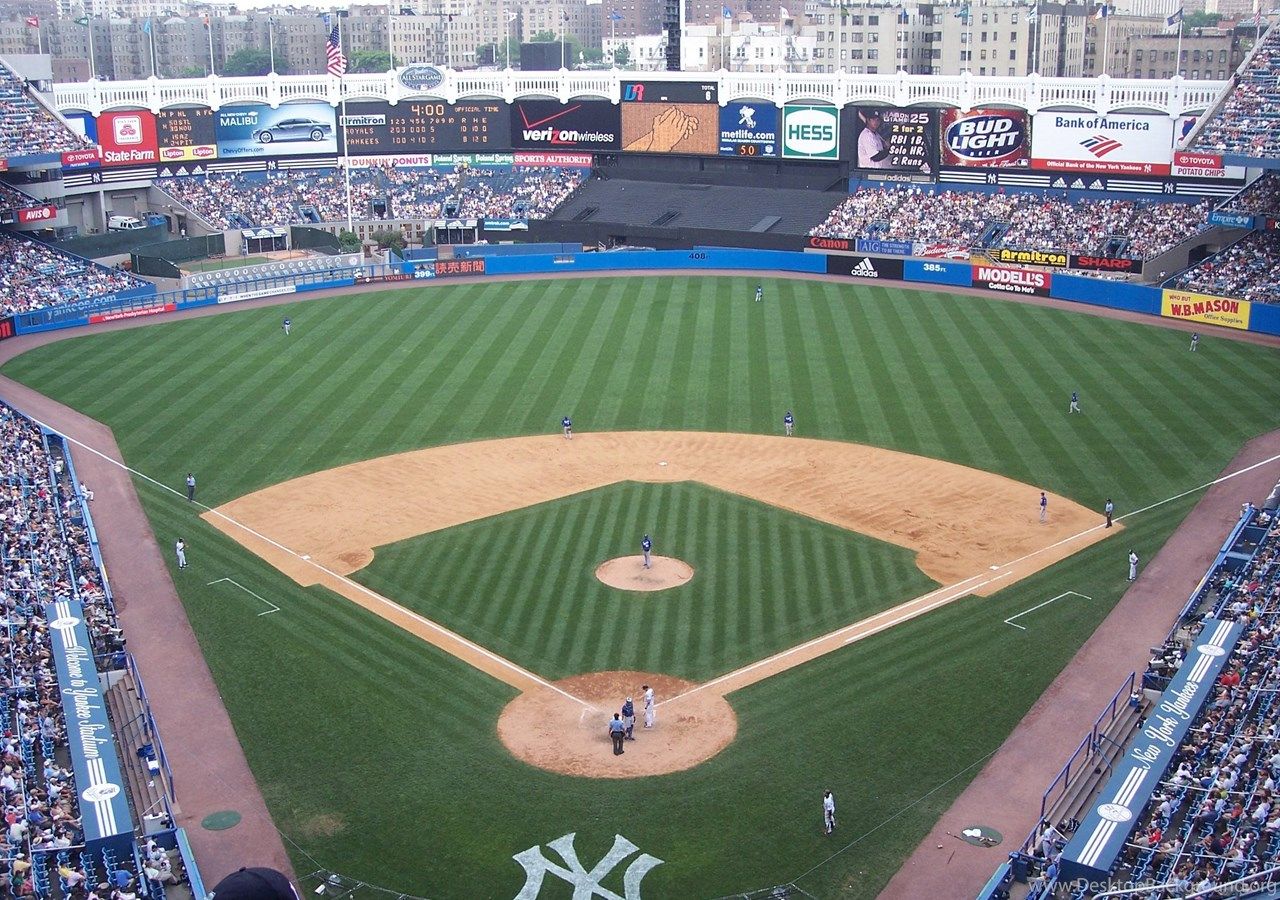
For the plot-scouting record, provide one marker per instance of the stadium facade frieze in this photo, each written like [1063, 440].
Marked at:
[1101, 96]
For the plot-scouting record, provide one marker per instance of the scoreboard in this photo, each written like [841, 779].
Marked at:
[186, 133]
[426, 126]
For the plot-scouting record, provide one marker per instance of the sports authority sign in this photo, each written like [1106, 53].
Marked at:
[1205, 308]
[810, 132]
[985, 138]
[1012, 281]
[1119, 144]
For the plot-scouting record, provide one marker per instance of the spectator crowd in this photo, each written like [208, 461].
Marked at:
[284, 198]
[1262, 197]
[954, 221]
[26, 127]
[34, 276]
[1248, 123]
[1247, 270]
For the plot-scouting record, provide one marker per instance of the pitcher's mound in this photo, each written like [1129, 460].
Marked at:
[628, 573]
[548, 730]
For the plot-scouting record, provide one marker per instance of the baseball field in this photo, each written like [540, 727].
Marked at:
[428, 698]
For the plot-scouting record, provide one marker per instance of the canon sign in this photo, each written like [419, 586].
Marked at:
[829, 243]
[1012, 281]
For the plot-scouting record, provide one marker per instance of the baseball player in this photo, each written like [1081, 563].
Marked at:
[788, 423]
[1044, 508]
[1195, 340]
[567, 424]
[1133, 565]
[286, 325]
[1075, 402]
[191, 486]
[1108, 509]
[629, 719]
[650, 708]
[646, 545]
[828, 811]
[759, 292]
[180, 550]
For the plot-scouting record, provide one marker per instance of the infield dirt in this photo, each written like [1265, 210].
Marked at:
[973, 531]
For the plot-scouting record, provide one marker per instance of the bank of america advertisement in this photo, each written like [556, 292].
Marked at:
[291, 129]
[1118, 144]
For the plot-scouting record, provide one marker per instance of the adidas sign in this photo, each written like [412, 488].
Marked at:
[864, 269]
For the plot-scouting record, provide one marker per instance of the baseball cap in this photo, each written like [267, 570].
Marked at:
[256, 883]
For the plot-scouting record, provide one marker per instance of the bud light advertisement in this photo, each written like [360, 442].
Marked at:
[986, 138]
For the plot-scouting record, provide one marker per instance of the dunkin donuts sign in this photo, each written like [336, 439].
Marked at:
[1012, 281]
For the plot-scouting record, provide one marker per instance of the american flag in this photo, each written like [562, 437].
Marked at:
[333, 48]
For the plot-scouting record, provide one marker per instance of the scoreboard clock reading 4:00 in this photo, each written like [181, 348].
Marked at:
[426, 127]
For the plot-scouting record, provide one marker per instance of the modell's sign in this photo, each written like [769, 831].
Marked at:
[1012, 281]
[1123, 266]
[985, 137]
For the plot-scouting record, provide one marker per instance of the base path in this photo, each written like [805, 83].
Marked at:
[974, 531]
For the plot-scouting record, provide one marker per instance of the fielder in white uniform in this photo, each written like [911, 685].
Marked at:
[650, 708]
[180, 550]
[828, 811]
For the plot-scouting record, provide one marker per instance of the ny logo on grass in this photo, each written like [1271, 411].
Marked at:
[585, 884]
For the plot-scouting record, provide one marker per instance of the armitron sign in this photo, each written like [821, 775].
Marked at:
[1058, 259]
[1205, 308]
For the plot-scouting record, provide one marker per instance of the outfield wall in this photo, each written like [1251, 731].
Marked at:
[1021, 281]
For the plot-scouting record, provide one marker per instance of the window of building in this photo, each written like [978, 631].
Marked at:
[1013, 56]
[984, 37]
[873, 70]
[982, 54]
[873, 20]
[873, 54]
[873, 37]
[855, 38]
[982, 70]
[855, 54]
[855, 20]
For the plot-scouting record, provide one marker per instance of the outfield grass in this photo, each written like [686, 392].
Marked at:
[523, 584]
[377, 753]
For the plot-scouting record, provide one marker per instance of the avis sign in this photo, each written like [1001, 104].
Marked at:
[586, 883]
[810, 132]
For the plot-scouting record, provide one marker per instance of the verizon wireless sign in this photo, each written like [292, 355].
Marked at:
[1012, 281]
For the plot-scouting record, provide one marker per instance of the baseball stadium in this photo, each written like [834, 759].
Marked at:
[640, 485]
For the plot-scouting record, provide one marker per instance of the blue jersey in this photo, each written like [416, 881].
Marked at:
[646, 545]
[1075, 398]
[566, 422]
[788, 420]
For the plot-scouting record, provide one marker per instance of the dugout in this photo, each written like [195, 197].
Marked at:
[264, 240]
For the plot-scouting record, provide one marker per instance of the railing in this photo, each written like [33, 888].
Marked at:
[1173, 96]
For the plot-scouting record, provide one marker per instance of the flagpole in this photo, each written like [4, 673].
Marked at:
[391, 53]
[346, 146]
[271, 41]
[1106, 41]
[151, 36]
[1177, 57]
[208, 26]
[93, 68]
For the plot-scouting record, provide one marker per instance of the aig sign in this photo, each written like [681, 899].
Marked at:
[810, 132]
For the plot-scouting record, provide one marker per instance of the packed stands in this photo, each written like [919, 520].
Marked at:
[12, 198]
[34, 276]
[959, 220]
[1247, 270]
[1262, 197]
[26, 127]
[1248, 122]
[283, 198]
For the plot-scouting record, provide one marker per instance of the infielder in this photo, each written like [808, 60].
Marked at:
[829, 811]
[646, 545]
[567, 424]
[180, 550]
[650, 708]
[1075, 402]
[1133, 565]
[1109, 508]
[191, 486]
[759, 292]
[788, 423]
[1044, 508]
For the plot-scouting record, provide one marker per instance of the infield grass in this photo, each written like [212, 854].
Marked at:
[377, 753]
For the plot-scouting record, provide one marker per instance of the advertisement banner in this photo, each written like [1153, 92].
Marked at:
[454, 161]
[1119, 143]
[419, 126]
[186, 133]
[749, 129]
[451, 268]
[1012, 256]
[670, 92]
[894, 140]
[6, 328]
[245, 132]
[985, 138]
[1204, 165]
[256, 293]
[1205, 308]
[553, 160]
[1106, 264]
[867, 267]
[128, 138]
[44, 213]
[99, 318]
[818, 242]
[885, 248]
[388, 161]
[810, 132]
[88, 158]
[692, 128]
[952, 273]
[1232, 220]
[552, 125]
[1012, 281]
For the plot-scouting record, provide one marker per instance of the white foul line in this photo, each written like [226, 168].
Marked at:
[268, 612]
[1009, 621]
[422, 620]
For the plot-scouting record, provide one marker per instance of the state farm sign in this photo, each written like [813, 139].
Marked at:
[128, 138]
[1012, 281]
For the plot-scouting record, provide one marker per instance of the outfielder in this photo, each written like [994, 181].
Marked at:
[1195, 340]
[650, 708]
[567, 424]
[829, 811]
[646, 545]
[788, 423]
[1075, 402]
[286, 325]
[759, 292]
